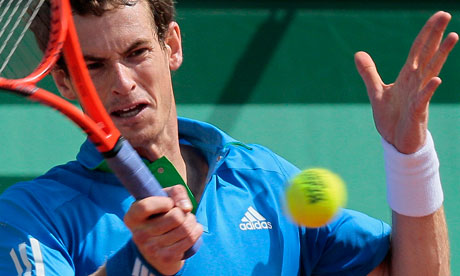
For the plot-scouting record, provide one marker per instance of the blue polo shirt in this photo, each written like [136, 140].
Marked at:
[70, 220]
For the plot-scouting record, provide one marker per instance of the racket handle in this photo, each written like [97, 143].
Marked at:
[132, 172]
[137, 178]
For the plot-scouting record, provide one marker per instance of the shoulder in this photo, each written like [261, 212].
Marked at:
[258, 157]
[256, 169]
[65, 211]
[353, 243]
[360, 231]
[29, 219]
[46, 201]
[51, 189]
[356, 229]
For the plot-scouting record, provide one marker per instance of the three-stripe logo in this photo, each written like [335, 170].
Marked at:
[140, 270]
[253, 220]
[26, 267]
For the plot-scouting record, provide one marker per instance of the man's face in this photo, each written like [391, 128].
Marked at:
[130, 70]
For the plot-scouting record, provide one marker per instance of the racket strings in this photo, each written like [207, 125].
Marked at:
[10, 17]
[15, 27]
[1, 4]
[5, 9]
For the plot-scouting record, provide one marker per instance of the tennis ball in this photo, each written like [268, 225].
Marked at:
[314, 196]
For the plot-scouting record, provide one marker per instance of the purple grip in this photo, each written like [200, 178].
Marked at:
[138, 180]
[133, 173]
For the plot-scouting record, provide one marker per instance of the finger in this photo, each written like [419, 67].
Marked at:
[427, 93]
[437, 62]
[143, 209]
[183, 231]
[178, 248]
[433, 40]
[173, 252]
[368, 71]
[422, 37]
[159, 225]
[180, 197]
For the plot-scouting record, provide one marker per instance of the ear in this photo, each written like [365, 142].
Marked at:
[173, 43]
[64, 84]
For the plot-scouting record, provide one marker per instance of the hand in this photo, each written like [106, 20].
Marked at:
[164, 228]
[401, 109]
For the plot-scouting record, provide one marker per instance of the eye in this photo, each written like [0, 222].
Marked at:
[94, 65]
[138, 52]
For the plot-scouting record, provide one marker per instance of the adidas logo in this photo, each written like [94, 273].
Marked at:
[252, 220]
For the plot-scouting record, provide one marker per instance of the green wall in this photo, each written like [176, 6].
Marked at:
[280, 73]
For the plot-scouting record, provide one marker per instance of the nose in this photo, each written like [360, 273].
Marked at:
[123, 82]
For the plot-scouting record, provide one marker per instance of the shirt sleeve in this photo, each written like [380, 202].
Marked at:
[29, 244]
[353, 244]
[23, 254]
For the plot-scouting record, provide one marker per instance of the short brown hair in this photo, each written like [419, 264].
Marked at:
[163, 12]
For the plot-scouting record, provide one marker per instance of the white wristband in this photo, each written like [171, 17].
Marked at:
[413, 183]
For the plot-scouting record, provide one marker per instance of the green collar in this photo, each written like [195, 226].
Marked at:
[164, 171]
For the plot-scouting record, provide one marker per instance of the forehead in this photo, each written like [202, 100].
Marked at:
[115, 28]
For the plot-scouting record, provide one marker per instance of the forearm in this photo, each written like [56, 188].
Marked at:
[420, 245]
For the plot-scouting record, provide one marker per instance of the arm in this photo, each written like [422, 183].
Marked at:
[419, 244]
[423, 247]
[429, 250]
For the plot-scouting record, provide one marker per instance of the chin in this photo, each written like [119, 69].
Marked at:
[138, 138]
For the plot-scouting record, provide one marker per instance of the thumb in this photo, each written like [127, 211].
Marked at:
[179, 195]
[368, 71]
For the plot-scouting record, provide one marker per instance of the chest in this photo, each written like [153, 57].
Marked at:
[245, 230]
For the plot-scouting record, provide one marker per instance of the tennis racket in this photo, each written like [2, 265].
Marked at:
[16, 18]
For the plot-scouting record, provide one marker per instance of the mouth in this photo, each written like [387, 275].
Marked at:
[129, 111]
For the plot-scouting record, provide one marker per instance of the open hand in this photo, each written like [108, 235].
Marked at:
[400, 109]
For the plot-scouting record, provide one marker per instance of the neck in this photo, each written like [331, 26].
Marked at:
[197, 170]
[189, 162]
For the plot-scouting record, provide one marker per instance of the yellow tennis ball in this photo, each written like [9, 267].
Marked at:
[314, 197]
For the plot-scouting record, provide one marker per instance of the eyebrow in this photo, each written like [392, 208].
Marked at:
[133, 46]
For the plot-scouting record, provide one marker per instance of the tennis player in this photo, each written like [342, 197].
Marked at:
[77, 219]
